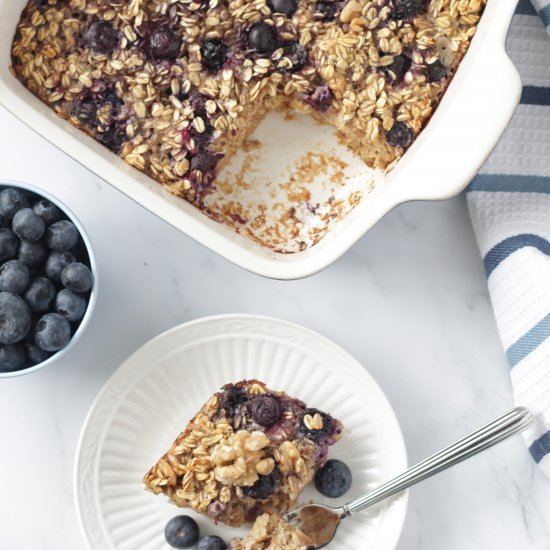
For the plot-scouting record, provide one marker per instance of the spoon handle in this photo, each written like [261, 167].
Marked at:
[496, 431]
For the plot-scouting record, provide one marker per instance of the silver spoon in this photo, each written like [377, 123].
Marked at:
[320, 522]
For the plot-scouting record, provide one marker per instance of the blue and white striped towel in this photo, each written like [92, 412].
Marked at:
[509, 203]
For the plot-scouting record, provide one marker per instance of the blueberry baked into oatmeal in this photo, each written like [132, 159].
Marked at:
[174, 87]
[249, 451]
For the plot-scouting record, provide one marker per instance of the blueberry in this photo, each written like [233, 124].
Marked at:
[12, 357]
[15, 318]
[288, 7]
[198, 102]
[35, 353]
[164, 43]
[62, 235]
[262, 489]
[52, 332]
[48, 211]
[262, 37]
[12, 200]
[334, 479]
[100, 37]
[316, 434]
[85, 110]
[14, 277]
[27, 225]
[399, 67]
[400, 135]
[321, 98]
[70, 304]
[232, 398]
[211, 542]
[436, 71]
[265, 410]
[297, 55]
[112, 138]
[40, 295]
[214, 53]
[326, 10]
[56, 262]
[4, 222]
[405, 9]
[8, 244]
[77, 277]
[204, 162]
[32, 254]
[181, 532]
[204, 137]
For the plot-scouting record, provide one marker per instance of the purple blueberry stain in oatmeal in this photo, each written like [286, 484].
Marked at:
[321, 98]
[400, 135]
[326, 10]
[164, 42]
[436, 71]
[398, 68]
[100, 37]
[407, 9]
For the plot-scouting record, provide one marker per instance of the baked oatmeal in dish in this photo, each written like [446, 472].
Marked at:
[174, 87]
[249, 451]
[271, 532]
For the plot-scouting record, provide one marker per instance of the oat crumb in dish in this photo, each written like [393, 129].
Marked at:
[271, 532]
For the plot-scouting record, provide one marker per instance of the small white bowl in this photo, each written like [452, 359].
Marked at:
[93, 293]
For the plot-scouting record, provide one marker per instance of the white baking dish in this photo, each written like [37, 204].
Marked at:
[461, 134]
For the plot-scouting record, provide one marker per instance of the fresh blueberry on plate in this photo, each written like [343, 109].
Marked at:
[211, 542]
[334, 479]
[181, 532]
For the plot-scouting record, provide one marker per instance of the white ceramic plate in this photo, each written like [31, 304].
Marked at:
[151, 397]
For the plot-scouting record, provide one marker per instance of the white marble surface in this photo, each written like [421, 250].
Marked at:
[409, 301]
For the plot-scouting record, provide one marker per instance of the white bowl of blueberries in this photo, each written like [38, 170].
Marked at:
[47, 279]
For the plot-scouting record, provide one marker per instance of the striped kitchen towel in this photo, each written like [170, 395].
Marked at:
[509, 203]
